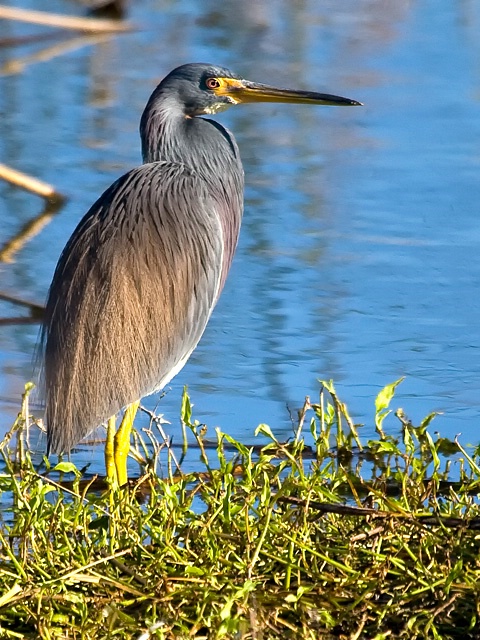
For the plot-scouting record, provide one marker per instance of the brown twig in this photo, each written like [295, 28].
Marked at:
[32, 306]
[368, 534]
[17, 65]
[21, 41]
[30, 229]
[346, 510]
[36, 311]
[65, 22]
[29, 183]
[340, 509]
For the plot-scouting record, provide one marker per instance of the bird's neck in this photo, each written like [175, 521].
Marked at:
[169, 135]
[159, 129]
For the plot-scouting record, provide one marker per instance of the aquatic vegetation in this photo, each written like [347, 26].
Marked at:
[323, 536]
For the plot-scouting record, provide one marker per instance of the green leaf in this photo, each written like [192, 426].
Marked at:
[382, 401]
[328, 385]
[194, 571]
[265, 430]
[66, 467]
[426, 421]
[186, 409]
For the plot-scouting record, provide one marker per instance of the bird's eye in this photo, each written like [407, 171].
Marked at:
[212, 83]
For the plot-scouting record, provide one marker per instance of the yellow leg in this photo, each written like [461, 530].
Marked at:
[110, 453]
[121, 443]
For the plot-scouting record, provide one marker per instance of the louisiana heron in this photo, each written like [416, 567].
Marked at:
[138, 280]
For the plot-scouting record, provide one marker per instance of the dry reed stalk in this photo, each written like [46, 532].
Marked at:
[65, 22]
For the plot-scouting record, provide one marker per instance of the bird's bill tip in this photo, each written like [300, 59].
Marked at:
[245, 91]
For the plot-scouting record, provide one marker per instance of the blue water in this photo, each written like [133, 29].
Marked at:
[358, 258]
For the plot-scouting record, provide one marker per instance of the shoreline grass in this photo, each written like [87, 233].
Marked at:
[340, 538]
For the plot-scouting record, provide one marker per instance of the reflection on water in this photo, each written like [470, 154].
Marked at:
[357, 258]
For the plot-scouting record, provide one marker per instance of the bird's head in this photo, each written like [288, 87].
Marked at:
[207, 89]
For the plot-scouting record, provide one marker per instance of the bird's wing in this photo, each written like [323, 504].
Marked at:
[131, 296]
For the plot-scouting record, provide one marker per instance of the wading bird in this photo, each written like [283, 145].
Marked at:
[138, 280]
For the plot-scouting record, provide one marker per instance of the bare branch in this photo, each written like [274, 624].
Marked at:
[65, 22]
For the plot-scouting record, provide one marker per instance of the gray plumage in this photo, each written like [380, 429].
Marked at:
[136, 284]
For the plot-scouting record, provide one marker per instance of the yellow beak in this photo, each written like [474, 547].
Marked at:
[245, 91]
